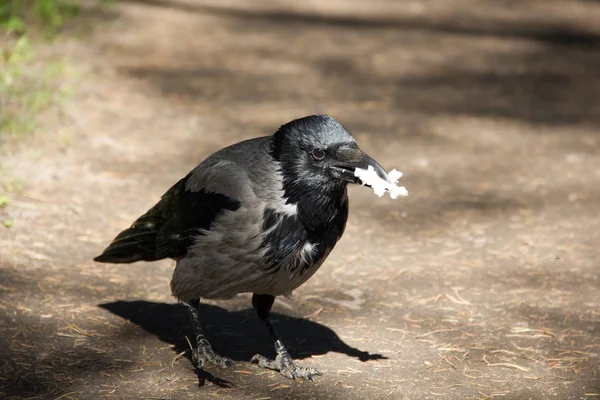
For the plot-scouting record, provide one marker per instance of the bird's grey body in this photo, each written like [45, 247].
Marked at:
[259, 216]
[229, 258]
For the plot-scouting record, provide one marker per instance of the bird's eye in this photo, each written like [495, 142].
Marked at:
[318, 154]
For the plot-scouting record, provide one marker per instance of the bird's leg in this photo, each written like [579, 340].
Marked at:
[204, 352]
[283, 363]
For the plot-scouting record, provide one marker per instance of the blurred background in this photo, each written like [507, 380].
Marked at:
[482, 283]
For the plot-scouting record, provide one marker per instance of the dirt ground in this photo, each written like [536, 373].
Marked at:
[483, 283]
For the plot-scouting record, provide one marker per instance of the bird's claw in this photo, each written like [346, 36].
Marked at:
[286, 367]
[207, 355]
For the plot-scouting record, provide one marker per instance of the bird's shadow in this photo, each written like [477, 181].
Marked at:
[235, 334]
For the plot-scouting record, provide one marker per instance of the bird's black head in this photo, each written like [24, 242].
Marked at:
[317, 153]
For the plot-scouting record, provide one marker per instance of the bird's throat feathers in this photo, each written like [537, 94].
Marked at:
[316, 208]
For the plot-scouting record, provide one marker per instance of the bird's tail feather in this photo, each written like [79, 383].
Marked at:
[137, 243]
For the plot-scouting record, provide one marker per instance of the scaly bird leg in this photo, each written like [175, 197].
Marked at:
[204, 352]
[283, 363]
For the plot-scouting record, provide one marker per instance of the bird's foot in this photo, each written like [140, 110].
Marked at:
[285, 365]
[205, 354]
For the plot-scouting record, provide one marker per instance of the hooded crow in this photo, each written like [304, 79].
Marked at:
[259, 216]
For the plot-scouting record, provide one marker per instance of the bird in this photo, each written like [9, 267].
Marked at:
[259, 216]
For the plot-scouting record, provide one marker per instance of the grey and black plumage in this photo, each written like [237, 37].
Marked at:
[259, 216]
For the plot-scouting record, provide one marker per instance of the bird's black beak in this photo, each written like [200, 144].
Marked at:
[348, 159]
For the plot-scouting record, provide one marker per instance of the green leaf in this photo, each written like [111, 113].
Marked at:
[8, 223]
[15, 24]
[4, 200]
[21, 51]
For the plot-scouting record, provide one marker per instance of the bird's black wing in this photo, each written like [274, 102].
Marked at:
[169, 228]
[192, 212]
